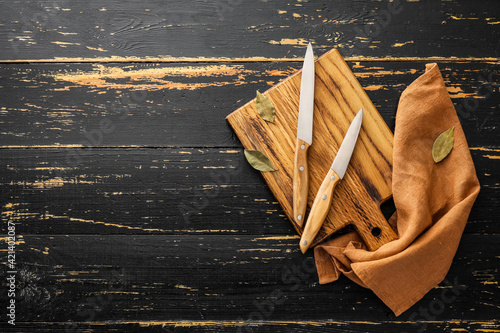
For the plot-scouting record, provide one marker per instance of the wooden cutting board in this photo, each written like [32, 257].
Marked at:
[367, 182]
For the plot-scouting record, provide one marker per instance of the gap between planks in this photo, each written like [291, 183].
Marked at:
[491, 324]
[239, 60]
[485, 148]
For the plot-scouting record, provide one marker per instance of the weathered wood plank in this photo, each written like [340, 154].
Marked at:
[171, 105]
[187, 239]
[303, 326]
[137, 191]
[165, 191]
[244, 28]
[237, 278]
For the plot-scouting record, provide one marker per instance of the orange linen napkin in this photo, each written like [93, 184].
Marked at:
[433, 202]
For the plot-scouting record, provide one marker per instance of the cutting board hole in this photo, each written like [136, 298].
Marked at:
[376, 231]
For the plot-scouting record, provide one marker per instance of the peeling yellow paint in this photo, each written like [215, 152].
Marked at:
[239, 323]
[288, 41]
[121, 292]
[19, 240]
[48, 168]
[47, 216]
[181, 286]
[373, 87]
[77, 272]
[383, 73]
[51, 216]
[487, 326]
[41, 146]
[156, 78]
[454, 90]
[281, 11]
[493, 157]
[401, 44]
[49, 183]
[278, 72]
[96, 48]
[485, 149]
[489, 282]
[457, 92]
[170, 59]
[463, 18]
[79, 280]
[279, 237]
[260, 250]
[28, 39]
[65, 44]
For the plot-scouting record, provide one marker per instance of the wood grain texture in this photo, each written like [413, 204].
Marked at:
[98, 278]
[338, 97]
[283, 326]
[166, 191]
[172, 105]
[136, 191]
[48, 29]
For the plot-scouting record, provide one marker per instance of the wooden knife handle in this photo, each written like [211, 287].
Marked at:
[300, 182]
[319, 209]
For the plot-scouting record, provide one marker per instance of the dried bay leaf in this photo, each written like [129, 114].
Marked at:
[443, 145]
[258, 160]
[265, 108]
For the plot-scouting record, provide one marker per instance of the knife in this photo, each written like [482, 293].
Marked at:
[304, 138]
[323, 199]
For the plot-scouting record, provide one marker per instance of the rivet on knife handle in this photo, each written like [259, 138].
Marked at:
[300, 182]
[319, 210]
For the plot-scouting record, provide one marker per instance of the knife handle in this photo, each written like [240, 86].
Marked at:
[319, 209]
[300, 182]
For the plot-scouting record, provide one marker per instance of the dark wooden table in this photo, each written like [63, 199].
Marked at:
[129, 196]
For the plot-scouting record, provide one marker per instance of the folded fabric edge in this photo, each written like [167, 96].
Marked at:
[399, 307]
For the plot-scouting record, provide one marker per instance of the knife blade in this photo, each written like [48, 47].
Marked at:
[323, 199]
[304, 138]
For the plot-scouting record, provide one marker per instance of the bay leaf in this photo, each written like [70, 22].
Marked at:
[443, 145]
[265, 108]
[258, 160]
